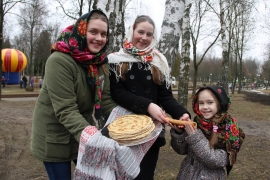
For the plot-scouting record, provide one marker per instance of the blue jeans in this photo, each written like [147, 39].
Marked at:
[59, 170]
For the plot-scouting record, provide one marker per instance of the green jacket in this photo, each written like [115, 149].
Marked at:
[64, 108]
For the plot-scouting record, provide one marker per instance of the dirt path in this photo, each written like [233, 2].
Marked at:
[261, 129]
[15, 131]
[16, 161]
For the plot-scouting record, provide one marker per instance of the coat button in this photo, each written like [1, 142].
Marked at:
[131, 76]
[148, 77]
[141, 107]
[147, 90]
[136, 104]
[133, 89]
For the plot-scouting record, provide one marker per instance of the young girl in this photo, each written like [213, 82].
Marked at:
[140, 82]
[74, 86]
[212, 146]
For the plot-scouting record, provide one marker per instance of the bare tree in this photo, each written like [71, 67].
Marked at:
[6, 6]
[54, 30]
[32, 20]
[185, 54]
[235, 23]
[115, 11]
[252, 68]
[225, 54]
[266, 72]
[74, 9]
[42, 52]
[243, 27]
[198, 27]
[171, 30]
[225, 43]
[235, 26]
[169, 42]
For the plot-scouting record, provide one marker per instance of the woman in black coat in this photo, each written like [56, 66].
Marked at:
[140, 82]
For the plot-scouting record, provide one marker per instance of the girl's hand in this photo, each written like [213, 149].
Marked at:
[184, 117]
[157, 113]
[190, 129]
[177, 128]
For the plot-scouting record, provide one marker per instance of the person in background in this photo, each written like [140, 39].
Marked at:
[32, 81]
[40, 83]
[21, 83]
[75, 94]
[24, 78]
[140, 82]
[212, 146]
[3, 81]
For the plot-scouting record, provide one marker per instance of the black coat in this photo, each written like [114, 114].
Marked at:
[139, 90]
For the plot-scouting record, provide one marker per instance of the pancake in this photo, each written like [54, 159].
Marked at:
[131, 127]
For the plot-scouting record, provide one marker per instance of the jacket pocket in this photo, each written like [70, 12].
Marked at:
[57, 145]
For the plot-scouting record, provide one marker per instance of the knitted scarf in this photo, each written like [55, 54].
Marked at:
[230, 135]
[72, 40]
[149, 56]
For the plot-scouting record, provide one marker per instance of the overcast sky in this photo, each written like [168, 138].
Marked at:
[156, 11]
[256, 47]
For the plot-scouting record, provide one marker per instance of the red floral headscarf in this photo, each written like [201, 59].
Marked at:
[72, 41]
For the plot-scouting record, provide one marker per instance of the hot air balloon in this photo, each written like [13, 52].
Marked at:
[13, 62]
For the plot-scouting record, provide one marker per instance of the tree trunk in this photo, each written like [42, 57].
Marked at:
[1, 42]
[169, 44]
[185, 60]
[225, 54]
[171, 30]
[116, 21]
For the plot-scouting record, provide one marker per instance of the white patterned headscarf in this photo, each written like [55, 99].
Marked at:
[150, 56]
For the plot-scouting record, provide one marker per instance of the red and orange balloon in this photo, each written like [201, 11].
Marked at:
[13, 60]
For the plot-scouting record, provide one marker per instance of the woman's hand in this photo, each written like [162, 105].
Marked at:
[157, 113]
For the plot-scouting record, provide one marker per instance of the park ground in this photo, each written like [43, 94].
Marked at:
[250, 108]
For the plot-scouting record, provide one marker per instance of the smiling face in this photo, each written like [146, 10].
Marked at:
[96, 35]
[208, 104]
[142, 35]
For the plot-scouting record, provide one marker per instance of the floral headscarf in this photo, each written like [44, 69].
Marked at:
[72, 40]
[230, 135]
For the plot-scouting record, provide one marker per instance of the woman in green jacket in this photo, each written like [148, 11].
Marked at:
[74, 95]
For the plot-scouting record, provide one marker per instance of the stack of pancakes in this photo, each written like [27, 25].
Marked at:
[131, 128]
